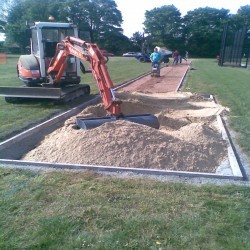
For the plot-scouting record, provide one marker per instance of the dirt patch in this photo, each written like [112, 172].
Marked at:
[188, 138]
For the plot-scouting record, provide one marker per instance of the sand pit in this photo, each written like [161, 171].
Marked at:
[188, 139]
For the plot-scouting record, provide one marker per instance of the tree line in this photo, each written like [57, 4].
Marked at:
[198, 32]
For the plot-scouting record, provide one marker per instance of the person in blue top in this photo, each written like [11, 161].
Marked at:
[155, 58]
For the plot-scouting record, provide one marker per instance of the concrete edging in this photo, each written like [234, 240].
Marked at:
[100, 168]
[182, 79]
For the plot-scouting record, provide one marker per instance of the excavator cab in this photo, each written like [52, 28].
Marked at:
[32, 69]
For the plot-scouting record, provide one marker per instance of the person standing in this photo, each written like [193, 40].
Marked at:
[155, 58]
[145, 47]
[176, 55]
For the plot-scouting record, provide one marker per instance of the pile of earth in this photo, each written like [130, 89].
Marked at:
[188, 138]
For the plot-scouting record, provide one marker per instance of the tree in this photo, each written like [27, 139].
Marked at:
[4, 8]
[15, 28]
[98, 17]
[2, 26]
[164, 24]
[203, 29]
[241, 18]
[27, 10]
[76, 11]
[115, 42]
[104, 18]
[136, 41]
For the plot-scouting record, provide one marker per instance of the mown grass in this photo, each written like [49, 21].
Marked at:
[68, 210]
[16, 117]
[231, 87]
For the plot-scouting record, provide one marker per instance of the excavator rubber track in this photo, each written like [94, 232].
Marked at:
[64, 94]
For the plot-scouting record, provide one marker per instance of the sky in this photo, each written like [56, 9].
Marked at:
[133, 10]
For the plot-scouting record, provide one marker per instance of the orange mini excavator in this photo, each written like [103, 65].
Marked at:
[32, 69]
[52, 71]
[90, 52]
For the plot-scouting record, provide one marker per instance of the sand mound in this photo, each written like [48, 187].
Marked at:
[184, 142]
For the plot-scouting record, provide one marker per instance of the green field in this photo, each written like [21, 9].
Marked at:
[84, 210]
[69, 210]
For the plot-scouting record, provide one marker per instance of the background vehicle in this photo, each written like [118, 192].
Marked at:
[142, 57]
[130, 54]
[106, 53]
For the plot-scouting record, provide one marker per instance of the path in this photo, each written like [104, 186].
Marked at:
[169, 81]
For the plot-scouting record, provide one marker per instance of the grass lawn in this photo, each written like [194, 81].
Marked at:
[68, 210]
[83, 210]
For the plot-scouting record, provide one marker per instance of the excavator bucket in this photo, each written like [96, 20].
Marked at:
[144, 119]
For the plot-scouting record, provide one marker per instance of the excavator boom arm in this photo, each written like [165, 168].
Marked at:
[89, 52]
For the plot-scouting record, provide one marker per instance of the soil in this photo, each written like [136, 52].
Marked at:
[188, 138]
